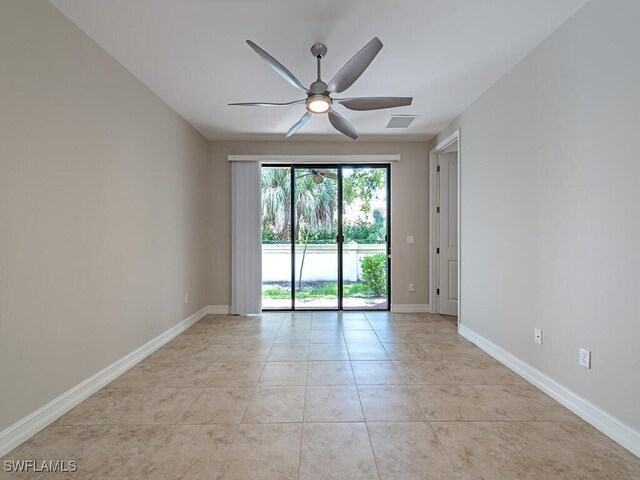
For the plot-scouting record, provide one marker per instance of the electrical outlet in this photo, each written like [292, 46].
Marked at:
[537, 336]
[186, 298]
[412, 288]
[585, 358]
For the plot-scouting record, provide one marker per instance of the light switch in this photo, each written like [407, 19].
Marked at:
[411, 239]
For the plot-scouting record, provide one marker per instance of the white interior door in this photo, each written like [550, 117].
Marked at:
[447, 237]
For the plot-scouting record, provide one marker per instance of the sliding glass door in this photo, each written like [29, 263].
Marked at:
[316, 238]
[365, 227]
[276, 238]
[325, 237]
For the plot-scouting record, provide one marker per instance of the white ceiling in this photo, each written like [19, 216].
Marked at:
[192, 53]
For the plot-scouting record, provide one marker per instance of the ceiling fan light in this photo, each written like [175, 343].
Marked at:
[318, 103]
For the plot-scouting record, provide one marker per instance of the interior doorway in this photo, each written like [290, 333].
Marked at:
[326, 239]
[444, 163]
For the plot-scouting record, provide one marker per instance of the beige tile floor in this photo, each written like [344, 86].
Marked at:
[324, 396]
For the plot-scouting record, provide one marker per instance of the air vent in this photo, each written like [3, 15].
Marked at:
[400, 121]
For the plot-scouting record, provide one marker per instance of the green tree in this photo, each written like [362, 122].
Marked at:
[362, 231]
[276, 204]
[363, 184]
[315, 203]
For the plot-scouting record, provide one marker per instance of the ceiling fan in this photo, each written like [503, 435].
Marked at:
[319, 98]
[320, 174]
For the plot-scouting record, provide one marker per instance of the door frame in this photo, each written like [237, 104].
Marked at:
[340, 241]
[455, 137]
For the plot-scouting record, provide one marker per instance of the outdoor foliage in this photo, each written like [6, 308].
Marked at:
[318, 236]
[269, 235]
[325, 290]
[276, 204]
[363, 184]
[374, 273]
[316, 203]
[316, 206]
[361, 231]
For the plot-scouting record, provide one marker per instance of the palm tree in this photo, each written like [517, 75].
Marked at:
[315, 204]
[276, 201]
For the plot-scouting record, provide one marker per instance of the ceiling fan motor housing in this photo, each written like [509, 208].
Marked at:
[318, 87]
[319, 50]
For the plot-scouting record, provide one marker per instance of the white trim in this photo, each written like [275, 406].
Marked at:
[410, 308]
[447, 141]
[611, 426]
[433, 226]
[218, 309]
[433, 163]
[289, 159]
[22, 430]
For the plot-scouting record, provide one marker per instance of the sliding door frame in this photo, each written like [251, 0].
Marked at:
[340, 235]
[387, 168]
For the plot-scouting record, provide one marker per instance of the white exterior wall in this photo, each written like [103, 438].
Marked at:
[320, 264]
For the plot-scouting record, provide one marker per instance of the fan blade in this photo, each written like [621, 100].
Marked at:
[340, 124]
[354, 67]
[267, 104]
[374, 103]
[298, 125]
[278, 67]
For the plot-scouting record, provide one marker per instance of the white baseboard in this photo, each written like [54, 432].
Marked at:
[22, 430]
[614, 428]
[410, 308]
[218, 310]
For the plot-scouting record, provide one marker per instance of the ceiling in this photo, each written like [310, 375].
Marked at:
[193, 55]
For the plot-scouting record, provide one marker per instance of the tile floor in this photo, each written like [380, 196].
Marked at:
[324, 396]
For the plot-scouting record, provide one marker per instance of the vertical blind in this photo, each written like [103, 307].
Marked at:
[246, 240]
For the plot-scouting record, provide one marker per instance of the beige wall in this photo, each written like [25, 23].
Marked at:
[409, 215]
[551, 207]
[103, 209]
